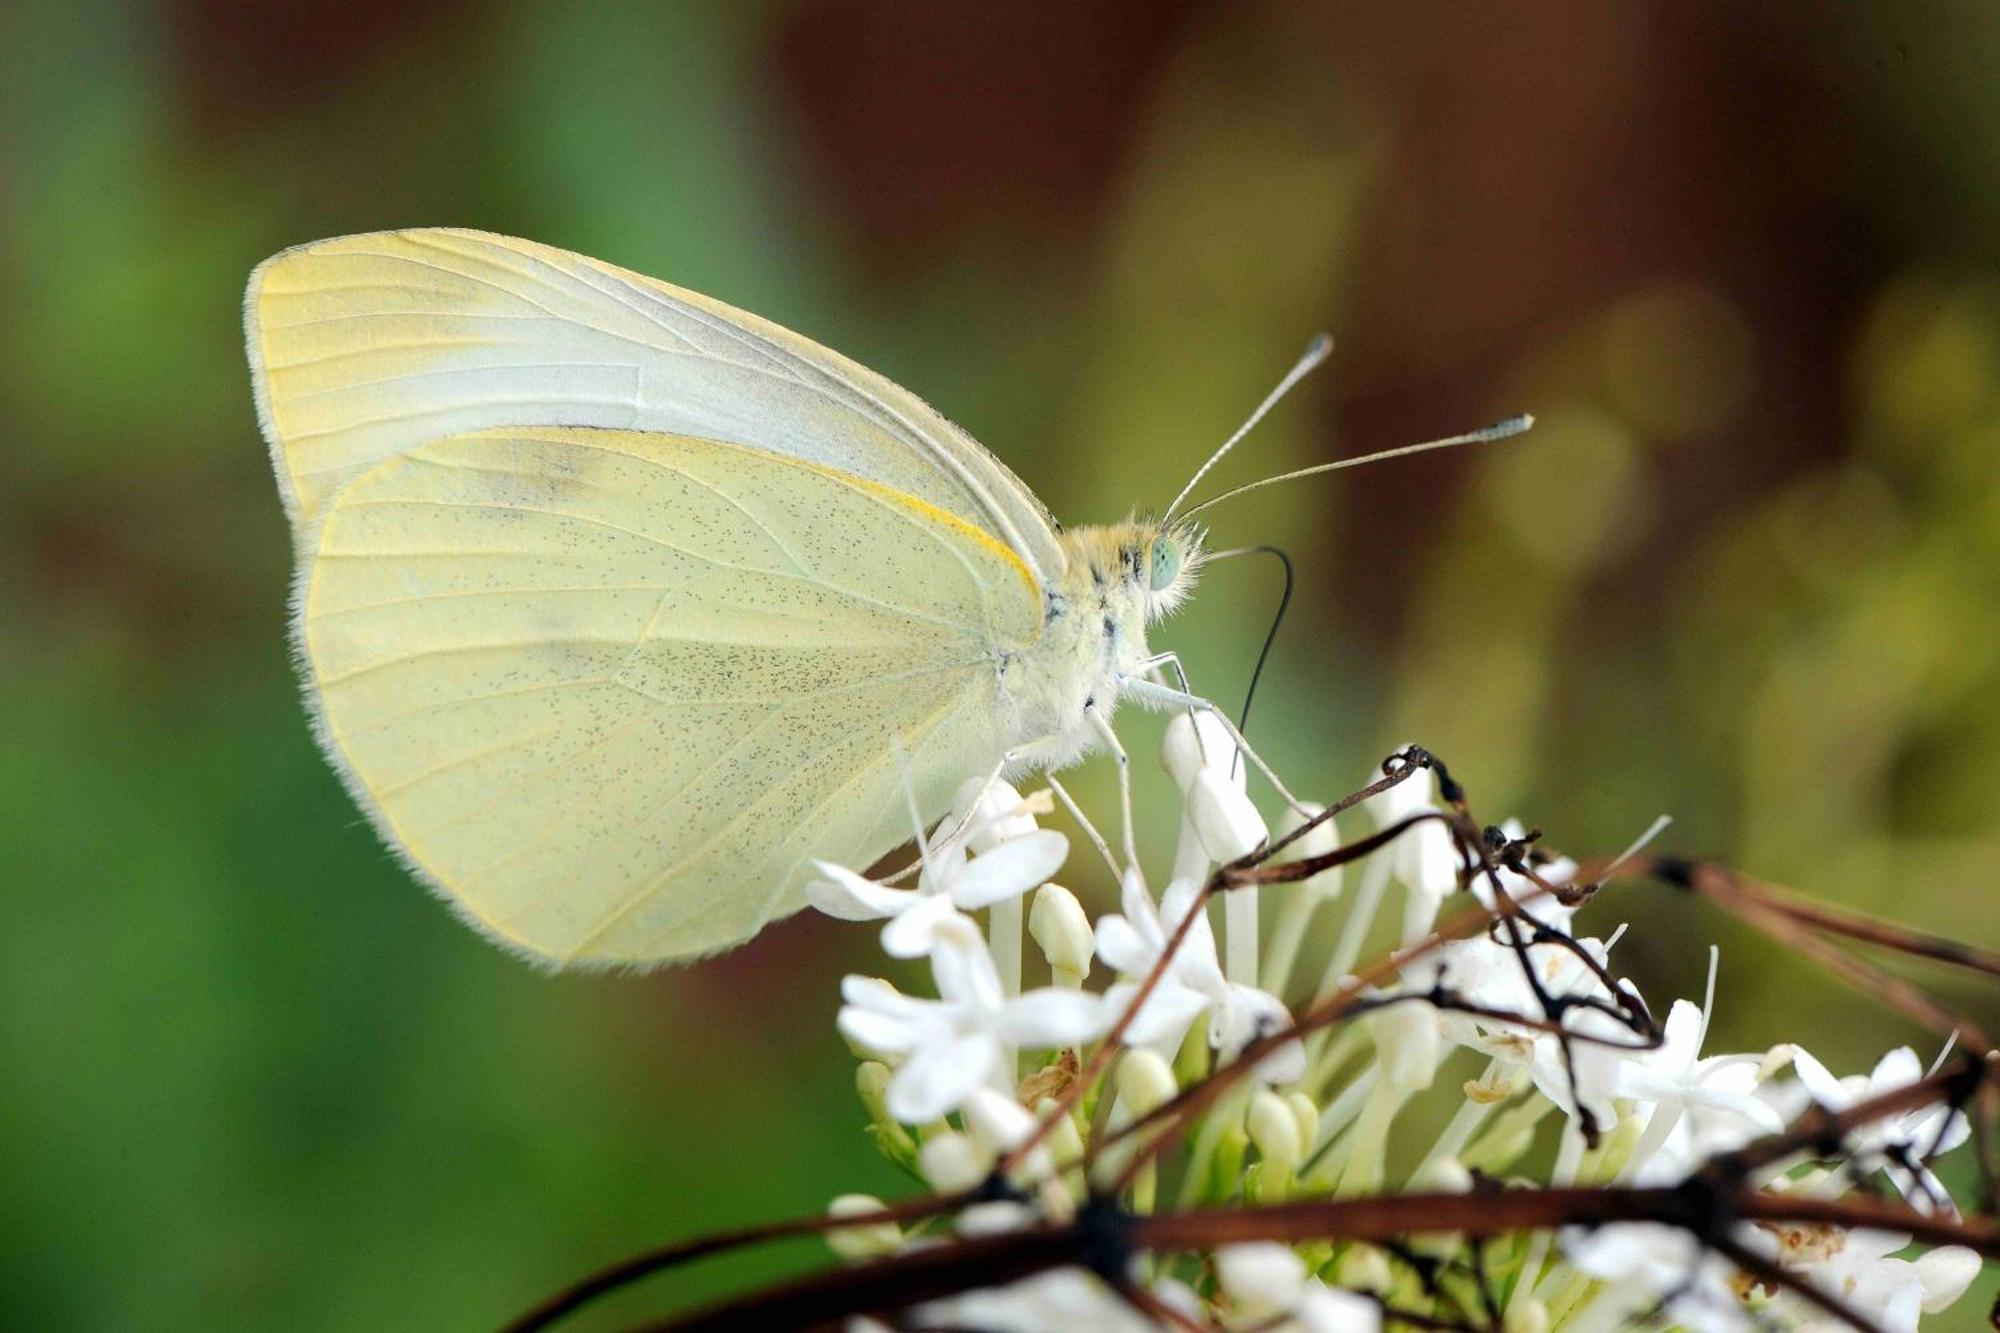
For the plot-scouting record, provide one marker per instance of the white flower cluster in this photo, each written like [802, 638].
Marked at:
[957, 1080]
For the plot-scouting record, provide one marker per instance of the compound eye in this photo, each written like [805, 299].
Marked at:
[1166, 563]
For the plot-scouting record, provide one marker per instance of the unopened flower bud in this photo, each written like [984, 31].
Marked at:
[996, 1217]
[1183, 755]
[1526, 1316]
[1223, 817]
[950, 1162]
[1307, 1114]
[993, 812]
[1065, 1144]
[1261, 1277]
[1365, 1268]
[869, 1240]
[1000, 1124]
[1274, 1128]
[1321, 839]
[1060, 927]
[871, 1083]
[1406, 1038]
[1145, 1081]
[1447, 1175]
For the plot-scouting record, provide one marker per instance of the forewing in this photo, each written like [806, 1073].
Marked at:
[611, 691]
[363, 347]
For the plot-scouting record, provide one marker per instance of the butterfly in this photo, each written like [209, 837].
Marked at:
[618, 607]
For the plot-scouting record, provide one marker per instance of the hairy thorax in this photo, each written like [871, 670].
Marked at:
[1093, 632]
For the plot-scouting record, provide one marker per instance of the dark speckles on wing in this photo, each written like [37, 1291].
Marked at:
[598, 683]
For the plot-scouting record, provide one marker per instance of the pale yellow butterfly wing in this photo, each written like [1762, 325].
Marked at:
[362, 347]
[610, 691]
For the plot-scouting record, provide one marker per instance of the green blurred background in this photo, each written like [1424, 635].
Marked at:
[1740, 260]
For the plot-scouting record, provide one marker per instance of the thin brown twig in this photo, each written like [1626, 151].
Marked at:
[629, 1270]
[1724, 887]
[1728, 890]
[1146, 1303]
[1700, 1206]
[1865, 928]
[1191, 1100]
[1774, 1275]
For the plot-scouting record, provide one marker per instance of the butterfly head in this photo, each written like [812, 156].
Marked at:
[1137, 571]
[1171, 563]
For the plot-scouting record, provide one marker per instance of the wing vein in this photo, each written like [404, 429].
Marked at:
[451, 371]
[460, 761]
[801, 574]
[382, 723]
[645, 892]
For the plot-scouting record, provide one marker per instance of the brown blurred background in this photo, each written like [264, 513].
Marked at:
[1739, 260]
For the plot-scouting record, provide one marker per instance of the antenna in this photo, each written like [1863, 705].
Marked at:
[1499, 430]
[1316, 351]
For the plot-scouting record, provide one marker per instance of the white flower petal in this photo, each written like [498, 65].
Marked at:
[1195, 962]
[1925, 1134]
[1224, 818]
[1166, 1016]
[1427, 863]
[1407, 1044]
[1680, 1038]
[1050, 1018]
[1898, 1069]
[839, 892]
[875, 993]
[1285, 1064]
[1324, 1309]
[1009, 870]
[1066, 1298]
[1745, 1106]
[1819, 1081]
[950, 1161]
[1175, 902]
[992, 812]
[884, 1034]
[1242, 1014]
[1121, 948]
[1944, 1274]
[1135, 902]
[1199, 742]
[962, 967]
[914, 933]
[938, 1077]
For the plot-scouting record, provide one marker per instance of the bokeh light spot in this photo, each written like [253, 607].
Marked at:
[1678, 360]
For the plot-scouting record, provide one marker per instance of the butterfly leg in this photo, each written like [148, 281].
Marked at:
[1172, 662]
[1151, 692]
[1083, 822]
[957, 831]
[1102, 726]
